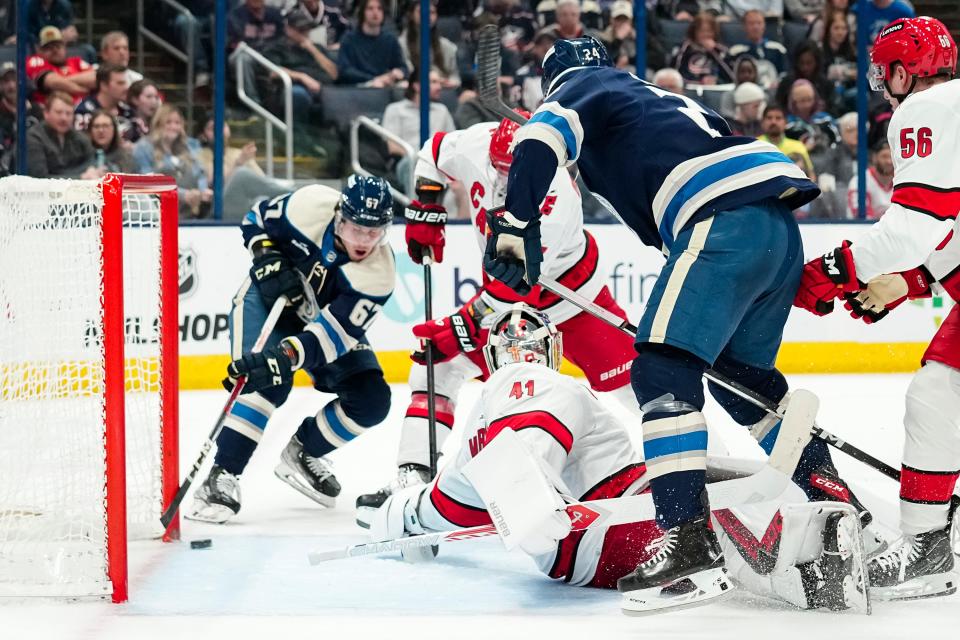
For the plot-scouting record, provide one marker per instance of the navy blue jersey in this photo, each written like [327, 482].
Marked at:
[343, 296]
[657, 160]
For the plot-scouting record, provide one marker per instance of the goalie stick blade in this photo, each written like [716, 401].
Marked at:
[488, 73]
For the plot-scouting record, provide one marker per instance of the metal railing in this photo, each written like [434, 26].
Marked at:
[243, 53]
[377, 128]
[187, 58]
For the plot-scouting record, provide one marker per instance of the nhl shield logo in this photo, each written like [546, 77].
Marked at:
[187, 271]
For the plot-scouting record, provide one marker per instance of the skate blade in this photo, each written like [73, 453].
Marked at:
[850, 540]
[209, 513]
[933, 586]
[703, 588]
[291, 478]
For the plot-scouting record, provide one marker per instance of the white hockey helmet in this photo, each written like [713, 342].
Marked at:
[523, 334]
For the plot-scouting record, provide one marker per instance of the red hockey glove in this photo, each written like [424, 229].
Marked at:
[825, 279]
[886, 292]
[448, 336]
[425, 230]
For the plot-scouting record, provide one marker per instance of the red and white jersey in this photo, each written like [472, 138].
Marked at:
[570, 254]
[577, 440]
[920, 227]
[38, 66]
[878, 196]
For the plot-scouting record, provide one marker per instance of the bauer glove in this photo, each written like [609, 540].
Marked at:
[459, 333]
[825, 279]
[425, 231]
[513, 253]
[276, 276]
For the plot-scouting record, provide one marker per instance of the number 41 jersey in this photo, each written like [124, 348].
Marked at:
[658, 160]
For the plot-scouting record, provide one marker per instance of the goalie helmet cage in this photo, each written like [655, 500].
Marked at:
[88, 379]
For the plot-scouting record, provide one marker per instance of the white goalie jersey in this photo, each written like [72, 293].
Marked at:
[570, 253]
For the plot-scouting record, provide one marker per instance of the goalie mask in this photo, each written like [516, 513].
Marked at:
[523, 334]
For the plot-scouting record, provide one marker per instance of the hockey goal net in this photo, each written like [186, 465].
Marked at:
[88, 379]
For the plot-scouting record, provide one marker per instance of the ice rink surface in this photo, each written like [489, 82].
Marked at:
[255, 583]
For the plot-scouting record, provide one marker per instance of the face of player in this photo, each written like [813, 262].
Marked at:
[373, 14]
[358, 241]
[148, 102]
[774, 123]
[117, 87]
[55, 53]
[101, 131]
[898, 82]
[117, 52]
[754, 25]
[59, 116]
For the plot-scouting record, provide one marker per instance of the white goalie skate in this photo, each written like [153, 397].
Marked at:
[408, 475]
[313, 477]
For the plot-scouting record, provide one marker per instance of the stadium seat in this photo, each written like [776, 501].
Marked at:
[710, 96]
[794, 33]
[674, 32]
[732, 33]
[341, 105]
[450, 28]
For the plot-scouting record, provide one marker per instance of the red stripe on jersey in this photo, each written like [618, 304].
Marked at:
[533, 420]
[418, 409]
[943, 204]
[573, 278]
[437, 140]
[927, 487]
[462, 515]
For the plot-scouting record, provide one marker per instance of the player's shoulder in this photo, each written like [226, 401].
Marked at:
[375, 275]
[939, 102]
[312, 207]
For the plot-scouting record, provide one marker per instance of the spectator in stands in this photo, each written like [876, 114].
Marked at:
[669, 79]
[818, 27]
[403, 119]
[369, 56]
[51, 69]
[527, 91]
[744, 70]
[54, 149]
[144, 99]
[835, 168]
[110, 96]
[879, 184]
[771, 56]
[879, 13]
[309, 65]
[620, 37]
[470, 110]
[518, 26]
[115, 50]
[243, 179]
[192, 26]
[806, 119]
[749, 102]
[8, 21]
[256, 25]
[803, 10]
[568, 24]
[682, 10]
[701, 57]
[8, 117]
[168, 150]
[807, 65]
[327, 23]
[840, 58]
[57, 13]
[774, 126]
[110, 150]
[443, 53]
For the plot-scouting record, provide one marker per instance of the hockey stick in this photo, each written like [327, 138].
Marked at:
[265, 332]
[766, 484]
[488, 72]
[431, 379]
[732, 386]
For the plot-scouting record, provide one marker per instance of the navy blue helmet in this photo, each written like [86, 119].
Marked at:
[367, 201]
[568, 54]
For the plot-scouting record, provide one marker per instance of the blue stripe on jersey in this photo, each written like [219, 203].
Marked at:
[770, 439]
[709, 176]
[669, 445]
[250, 218]
[334, 336]
[330, 417]
[251, 415]
[559, 123]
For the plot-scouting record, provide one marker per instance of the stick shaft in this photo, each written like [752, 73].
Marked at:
[431, 379]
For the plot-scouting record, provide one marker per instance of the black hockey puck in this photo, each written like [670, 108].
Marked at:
[201, 544]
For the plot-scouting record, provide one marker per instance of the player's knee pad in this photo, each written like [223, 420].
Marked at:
[932, 419]
[242, 429]
[769, 383]
[365, 399]
[661, 369]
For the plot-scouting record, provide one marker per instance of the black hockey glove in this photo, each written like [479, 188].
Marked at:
[513, 254]
[270, 368]
[276, 276]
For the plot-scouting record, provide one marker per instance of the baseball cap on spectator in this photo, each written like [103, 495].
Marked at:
[7, 67]
[50, 34]
[748, 92]
[299, 21]
[622, 8]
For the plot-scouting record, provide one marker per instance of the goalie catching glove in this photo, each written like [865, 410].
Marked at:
[276, 276]
[270, 368]
[825, 279]
[425, 231]
[886, 292]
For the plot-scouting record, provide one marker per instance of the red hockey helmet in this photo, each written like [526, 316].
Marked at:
[922, 45]
[501, 153]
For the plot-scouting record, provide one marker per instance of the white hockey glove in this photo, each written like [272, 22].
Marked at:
[398, 518]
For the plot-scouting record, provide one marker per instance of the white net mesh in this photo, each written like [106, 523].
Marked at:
[52, 434]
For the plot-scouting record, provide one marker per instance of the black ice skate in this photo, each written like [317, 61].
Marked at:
[920, 566]
[685, 571]
[217, 499]
[408, 475]
[837, 580]
[313, 477]
[832, 487]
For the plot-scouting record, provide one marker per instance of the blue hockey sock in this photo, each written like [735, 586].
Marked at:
[242, 431]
